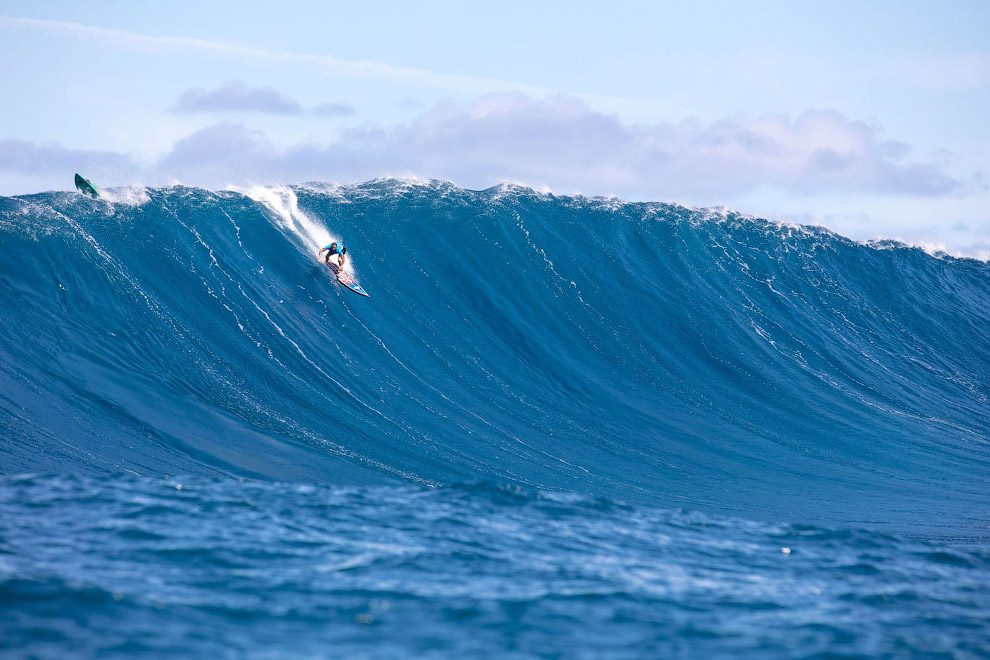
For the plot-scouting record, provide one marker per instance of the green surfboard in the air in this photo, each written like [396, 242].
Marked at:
[85, 187]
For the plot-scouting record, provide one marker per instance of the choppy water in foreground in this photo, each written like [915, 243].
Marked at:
[117, 567]
[709, 435]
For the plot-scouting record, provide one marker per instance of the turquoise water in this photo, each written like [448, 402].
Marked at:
[558, 426]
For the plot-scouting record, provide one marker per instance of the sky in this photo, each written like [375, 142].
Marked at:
[870, 118]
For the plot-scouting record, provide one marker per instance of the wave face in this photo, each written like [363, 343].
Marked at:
[643, 352]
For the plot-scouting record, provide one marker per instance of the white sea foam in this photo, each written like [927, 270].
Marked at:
[127, 196]
[284, 205]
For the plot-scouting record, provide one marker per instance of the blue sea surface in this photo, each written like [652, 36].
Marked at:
[559, 427]
[108, 567]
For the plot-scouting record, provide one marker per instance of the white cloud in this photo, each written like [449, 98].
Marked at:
[560, 142]
[557, 141]
[224, 146]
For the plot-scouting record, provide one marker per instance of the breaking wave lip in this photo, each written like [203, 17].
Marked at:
[135, 194]
[637, 350]
[507, 188]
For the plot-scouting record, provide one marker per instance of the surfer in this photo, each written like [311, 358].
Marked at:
[332, 250]
[338, 268]
[86, 187]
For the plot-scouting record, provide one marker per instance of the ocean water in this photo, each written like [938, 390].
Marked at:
[559, 426]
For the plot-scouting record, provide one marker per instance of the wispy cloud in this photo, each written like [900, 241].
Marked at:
[114, 38]
[236, 97]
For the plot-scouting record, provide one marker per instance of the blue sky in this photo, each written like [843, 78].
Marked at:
[869, 118]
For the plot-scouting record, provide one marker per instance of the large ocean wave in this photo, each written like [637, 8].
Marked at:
[644, 352]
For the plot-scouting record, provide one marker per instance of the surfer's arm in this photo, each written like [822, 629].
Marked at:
[320, 253]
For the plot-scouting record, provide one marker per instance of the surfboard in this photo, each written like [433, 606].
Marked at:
[85, 187]
[346, 279]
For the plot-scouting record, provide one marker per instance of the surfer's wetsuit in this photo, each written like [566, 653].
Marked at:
[331, 250]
